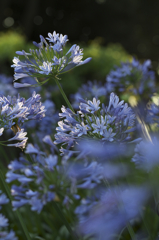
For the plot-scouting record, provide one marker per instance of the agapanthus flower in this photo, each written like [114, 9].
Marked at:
[111, 123]
[89, 91]
[49, 60]
[47, 124]
[5, 234]
[93, 164]
[32, 189]
[132, 76]
[6, 86]
[107, 216]
[14, 111]
[85, 176]
[152, 113]
[146, 154]
[37, 181]
[105, 152]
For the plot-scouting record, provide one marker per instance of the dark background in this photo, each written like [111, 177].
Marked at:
[133, 23]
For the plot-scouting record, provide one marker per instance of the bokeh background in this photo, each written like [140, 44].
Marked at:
[133, 23]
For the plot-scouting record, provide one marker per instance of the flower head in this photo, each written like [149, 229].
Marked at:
[110, 123]
[132, 76]
[49, 60]
[146, 154]
[37, 181]
[111, 213]
[14, 111]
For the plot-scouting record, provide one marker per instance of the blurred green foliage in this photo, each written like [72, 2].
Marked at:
[10, 42]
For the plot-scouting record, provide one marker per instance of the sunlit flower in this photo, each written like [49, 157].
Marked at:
[48, 61]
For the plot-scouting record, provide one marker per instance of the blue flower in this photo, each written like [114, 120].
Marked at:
[152, 113]
[49, 60]
[3, 221]
[35, 184]
[146, 154]
[111, 123]
[89, 91]
[6, 86]
[15, 111]
[132, 76]
[107, 216]
[4, 224]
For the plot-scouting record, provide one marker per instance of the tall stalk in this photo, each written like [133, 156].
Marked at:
[63, 94]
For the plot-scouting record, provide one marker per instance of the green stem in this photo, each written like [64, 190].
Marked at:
[64, 95]
[131, 231]
[62, 217]
[17, 212]
[4, 154]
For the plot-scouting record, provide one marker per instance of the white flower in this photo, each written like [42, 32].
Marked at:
[46, 68]
[20, 136]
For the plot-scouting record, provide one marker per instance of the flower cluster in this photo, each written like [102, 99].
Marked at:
[133, 76]
[37, 178]
[47, 124]
[4, 233]
[48, 61]
[144, 151]
[111, 213]
[14, 111]
[111, 123]
[89, 91]
[152, 116]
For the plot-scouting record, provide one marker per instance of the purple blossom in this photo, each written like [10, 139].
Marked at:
[15, 111]
[132, 76]
[112, 212]
[107, 124]
[146, 154]
[49, 60]
[34, 186]
[5, 234]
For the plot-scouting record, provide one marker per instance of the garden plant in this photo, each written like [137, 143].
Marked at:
[88, 170]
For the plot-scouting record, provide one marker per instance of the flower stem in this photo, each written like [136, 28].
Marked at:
[17, 212]
[131, 231]
[64, 95]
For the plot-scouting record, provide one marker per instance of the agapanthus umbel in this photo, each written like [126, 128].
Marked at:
[49, 60]
[111, 213]
[14, 111]
[39, 181]
[111, 123]
[5, 234]
[132, 76]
